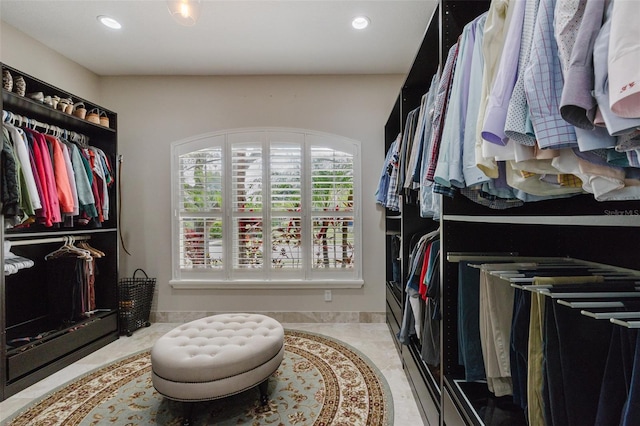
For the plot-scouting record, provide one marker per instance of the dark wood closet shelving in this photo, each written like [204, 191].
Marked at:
[579, 227]
[33, 345]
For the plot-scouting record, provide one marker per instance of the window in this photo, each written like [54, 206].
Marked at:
[270, 207]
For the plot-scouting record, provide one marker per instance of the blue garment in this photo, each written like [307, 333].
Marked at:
[519, 341]
[385, 175]
[575, 353]
[472, 174]
[543, 84]
[631, 411]
[470, 348]
[427, 207]
[617, 376]
[449, 168]
[393, 196]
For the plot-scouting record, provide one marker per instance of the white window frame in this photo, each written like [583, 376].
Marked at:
[229, 278]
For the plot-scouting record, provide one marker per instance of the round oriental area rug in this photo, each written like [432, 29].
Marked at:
[321, 381]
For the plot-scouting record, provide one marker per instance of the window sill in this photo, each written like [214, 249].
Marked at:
[261, 284]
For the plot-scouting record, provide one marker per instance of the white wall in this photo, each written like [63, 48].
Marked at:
[34, 58]
[155, 111]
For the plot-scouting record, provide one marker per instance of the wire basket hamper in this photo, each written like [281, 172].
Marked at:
[135, 295]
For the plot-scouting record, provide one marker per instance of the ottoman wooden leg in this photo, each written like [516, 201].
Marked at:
[262, 387]
[187, 412]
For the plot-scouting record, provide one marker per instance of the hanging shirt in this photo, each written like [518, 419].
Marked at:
[495, 30]
[624, 59]
[449, 168]
[63, 187]
[518, 126]
[22, 154]
[577, 105]
[71, 177]
[83, 179]
[45, 215]
[439, 112]
[506, 75]
[472, 174]
[385, 175]
[543, 84]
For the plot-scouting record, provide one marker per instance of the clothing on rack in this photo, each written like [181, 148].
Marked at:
[547, 344]
[71, 272]
[469, 346]
[523, 112]
[14, 263]
[56, 180]
[422, 315]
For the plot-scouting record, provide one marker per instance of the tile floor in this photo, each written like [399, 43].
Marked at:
[373, 339]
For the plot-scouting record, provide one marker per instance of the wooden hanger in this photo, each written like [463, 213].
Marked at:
[68, 248]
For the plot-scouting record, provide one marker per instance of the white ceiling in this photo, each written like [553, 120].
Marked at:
[231, 37]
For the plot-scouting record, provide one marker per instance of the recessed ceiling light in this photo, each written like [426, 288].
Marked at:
[109, 22]
[360, 22]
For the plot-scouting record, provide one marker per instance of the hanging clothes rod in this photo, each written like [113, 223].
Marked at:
[49, 240]
[20, 120]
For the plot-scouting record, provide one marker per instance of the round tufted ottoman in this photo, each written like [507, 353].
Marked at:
[217, 356]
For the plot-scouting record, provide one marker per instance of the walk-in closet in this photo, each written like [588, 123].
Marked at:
[58, 292]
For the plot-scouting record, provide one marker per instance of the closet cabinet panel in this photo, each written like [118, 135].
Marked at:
[428, 398]
[394, 314]
[452, 413]
[58, 296]
[406, 226]
[22, 363]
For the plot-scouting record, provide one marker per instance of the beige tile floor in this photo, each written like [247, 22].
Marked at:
[373, 339]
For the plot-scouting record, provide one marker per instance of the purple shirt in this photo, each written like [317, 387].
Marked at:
[498, 104]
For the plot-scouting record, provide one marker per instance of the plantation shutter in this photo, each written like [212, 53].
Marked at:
[247, 205]
[200, 208]
[285, 166]
[332, 219]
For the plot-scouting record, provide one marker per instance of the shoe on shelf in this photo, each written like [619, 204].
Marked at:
[93, 116]
[19, 85]
[104, 119]
[37, 96]
[7, 80]
[79, 110]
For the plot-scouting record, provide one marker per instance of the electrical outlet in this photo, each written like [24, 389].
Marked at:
[327, 295]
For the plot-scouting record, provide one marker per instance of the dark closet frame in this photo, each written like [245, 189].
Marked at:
[23, 301]
[578, 227]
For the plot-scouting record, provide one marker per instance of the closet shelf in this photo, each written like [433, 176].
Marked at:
[631, 220]
[36, 233]
[24, 105]
[38, 111]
